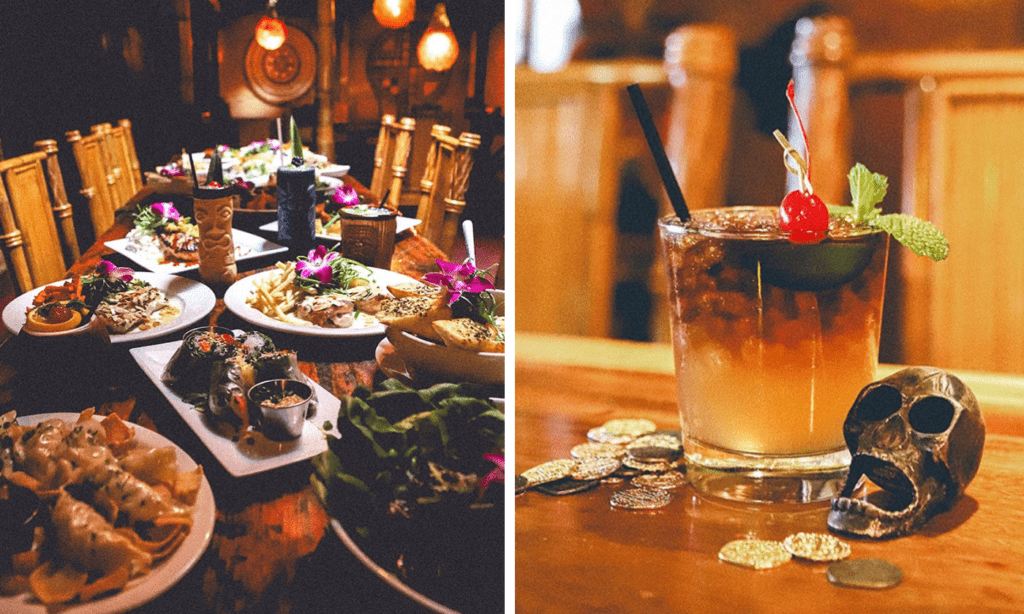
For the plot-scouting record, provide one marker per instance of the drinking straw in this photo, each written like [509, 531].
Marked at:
[668, 178]
[467, 233]
[195, 175]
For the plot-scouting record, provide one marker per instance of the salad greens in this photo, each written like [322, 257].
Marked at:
[403, 450]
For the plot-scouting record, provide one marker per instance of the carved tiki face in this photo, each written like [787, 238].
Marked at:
[918, 435]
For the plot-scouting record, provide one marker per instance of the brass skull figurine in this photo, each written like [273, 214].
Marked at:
[917, 435]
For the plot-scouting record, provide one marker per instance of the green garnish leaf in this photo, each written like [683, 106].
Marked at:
[840, 211]
[923, 238]
[867, 189]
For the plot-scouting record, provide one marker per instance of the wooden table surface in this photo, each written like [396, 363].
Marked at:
[272, 549]
[576, 553]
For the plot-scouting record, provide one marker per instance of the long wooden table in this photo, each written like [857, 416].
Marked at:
[272, 549]
[576, 553]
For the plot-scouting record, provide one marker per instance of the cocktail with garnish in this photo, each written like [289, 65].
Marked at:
[776, 317]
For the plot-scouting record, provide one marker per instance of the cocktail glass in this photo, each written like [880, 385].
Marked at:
[772, 342]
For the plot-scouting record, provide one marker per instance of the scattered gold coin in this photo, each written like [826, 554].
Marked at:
[595, 468]
[640, 498]
[647, 466]
[656, 440]
[549, 471]
[817, 547]
[631, 427]
[864, 573]
[600, 435]
[754, 553]
[597, 450]
[666, 481]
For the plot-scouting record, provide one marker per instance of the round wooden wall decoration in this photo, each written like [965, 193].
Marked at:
[284, 74]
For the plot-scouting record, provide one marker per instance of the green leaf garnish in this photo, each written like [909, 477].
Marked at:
[919, 235]
[867, 189]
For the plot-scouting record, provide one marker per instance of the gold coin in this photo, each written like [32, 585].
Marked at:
[754, 553]
[600, 435]
[595, 468]
[549, 471]
[597, 450]
[640, 498]
[816, 547]
[864, 573]
[631, 427]
[656, 440]
[666, 481]
[646, 466]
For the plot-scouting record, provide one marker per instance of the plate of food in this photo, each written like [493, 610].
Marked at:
[131, 306]
[164, 241]
[452, 327]
[206, 379]
[318, 295]
[145, 549]
[428, 519]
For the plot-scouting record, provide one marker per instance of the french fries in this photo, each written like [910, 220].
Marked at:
[276, 296]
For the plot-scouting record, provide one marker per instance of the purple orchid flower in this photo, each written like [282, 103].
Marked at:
[317, 264]
[107, 269]
[496, 475]
[345, 195]
[172, 171]
[458, 278]
[167, 210]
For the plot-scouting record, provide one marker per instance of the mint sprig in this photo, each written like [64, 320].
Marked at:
[867, 190]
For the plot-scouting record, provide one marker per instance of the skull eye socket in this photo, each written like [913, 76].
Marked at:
[879, 404]
[931, 415]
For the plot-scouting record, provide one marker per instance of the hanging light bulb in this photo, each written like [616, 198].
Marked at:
[270, 31]
[394, 13]
[438, 48]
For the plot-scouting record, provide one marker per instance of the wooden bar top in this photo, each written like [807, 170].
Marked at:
[576, 553]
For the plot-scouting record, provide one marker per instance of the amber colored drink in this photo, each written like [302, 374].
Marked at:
[773, 340]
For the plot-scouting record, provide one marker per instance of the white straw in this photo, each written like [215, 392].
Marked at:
[467, 232]
[280, 144]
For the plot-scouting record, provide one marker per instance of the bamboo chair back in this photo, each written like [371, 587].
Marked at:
[122, 134]
[33, 196]
[391, 158]
[444, 184]
[117, 163]
[97, 181]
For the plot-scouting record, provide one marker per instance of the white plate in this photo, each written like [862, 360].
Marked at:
[235, 297]
[195, 299]
[145, 588]
[335, 170]
[238, 457]
[404, 223]
[247, 245]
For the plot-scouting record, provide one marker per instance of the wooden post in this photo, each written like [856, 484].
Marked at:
[135, 172]
[454, 203]
[400, 165]
[325, 66]
[821, 51]
[380, 155]
[59, 202]
[701, 61]
[438, 133]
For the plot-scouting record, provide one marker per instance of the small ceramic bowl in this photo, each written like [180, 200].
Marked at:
[281, 420]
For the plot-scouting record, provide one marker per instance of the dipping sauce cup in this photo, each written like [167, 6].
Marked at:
[282, 405]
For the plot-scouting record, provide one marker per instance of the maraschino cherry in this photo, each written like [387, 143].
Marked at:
[803, 214]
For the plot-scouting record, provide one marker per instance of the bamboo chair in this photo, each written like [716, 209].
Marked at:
[391, 158]
[97, 182]
[122, 135]
[117, 163]
[32, 197]
[444, 184]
